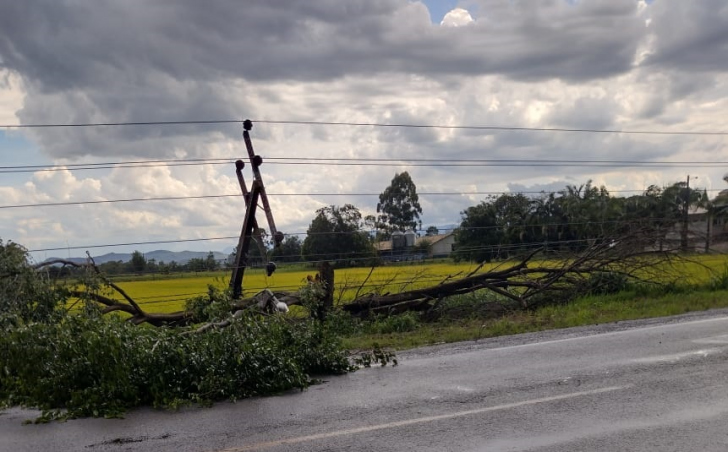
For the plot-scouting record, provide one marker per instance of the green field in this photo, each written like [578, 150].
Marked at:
[168, 294]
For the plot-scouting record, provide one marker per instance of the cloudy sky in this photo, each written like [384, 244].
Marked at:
[630, 65]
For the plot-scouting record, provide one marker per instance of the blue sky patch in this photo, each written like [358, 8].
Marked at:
[16, 150]
[438, 8]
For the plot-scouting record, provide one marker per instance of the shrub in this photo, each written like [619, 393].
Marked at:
[482, 304]
[101, 366]
[605, 283]
[400, 323]
[25, 295]
[720, 280]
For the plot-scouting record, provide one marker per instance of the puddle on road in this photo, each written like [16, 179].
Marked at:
[677, 356]
[129, 440]
[722, 339]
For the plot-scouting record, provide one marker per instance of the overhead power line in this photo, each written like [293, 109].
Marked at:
[322, 161]
[497, 128]
[204, 239]
[238, 195]
[118, 124]
[112, 201]
[126, 162]
[512, 163]
[363, 124]
[112, 165]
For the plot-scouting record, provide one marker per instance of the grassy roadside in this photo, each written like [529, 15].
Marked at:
[592, 310]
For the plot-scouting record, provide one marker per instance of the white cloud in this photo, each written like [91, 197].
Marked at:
[11, 96]
[457, 17]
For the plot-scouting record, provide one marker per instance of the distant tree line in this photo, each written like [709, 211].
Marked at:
[570, 219]
[138, 264]
[502, 226]
[289, 251]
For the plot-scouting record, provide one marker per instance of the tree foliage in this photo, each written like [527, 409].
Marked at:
[25, 294]
[569, 220]
[211, 263]
[478, 235]
[101, 366]
[138, 262]
[336, 234]
[80, 362]
[289, 251]
[399, 205]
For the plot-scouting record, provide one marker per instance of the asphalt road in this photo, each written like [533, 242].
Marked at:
[637, 386]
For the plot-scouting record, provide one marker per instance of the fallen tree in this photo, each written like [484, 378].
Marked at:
[535, 279]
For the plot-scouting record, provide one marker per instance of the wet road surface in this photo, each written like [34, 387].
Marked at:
[641, 386]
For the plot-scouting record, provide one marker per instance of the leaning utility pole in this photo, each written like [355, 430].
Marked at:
[250, 224]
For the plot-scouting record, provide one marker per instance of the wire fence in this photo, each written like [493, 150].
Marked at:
[401, 277]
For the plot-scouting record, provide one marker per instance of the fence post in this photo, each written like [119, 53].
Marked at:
[326, 275]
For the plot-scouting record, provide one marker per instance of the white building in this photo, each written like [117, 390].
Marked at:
[440, 245]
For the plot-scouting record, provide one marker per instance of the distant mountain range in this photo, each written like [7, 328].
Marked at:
[181, 257]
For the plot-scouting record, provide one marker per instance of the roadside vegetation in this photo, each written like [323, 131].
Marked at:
[61, 354]
[472, 317]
